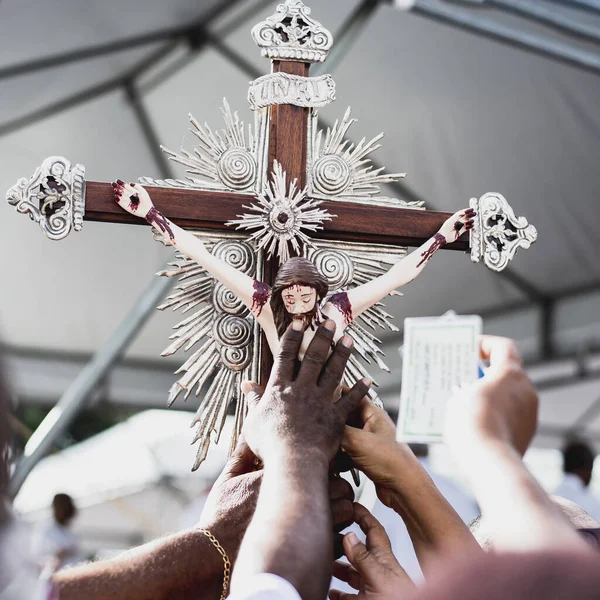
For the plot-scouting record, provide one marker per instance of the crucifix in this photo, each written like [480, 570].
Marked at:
[249, 202]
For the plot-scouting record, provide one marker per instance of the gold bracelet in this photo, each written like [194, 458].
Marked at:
[226, 562]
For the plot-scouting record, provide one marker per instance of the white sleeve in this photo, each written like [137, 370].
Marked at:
[266, 586]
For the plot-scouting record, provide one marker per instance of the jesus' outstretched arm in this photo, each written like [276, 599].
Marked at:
[404, 271]
[254, 294]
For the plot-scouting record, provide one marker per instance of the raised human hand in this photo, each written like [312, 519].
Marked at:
[373, 448]
[499, 408]
[457, 224]
[296, 414]
[133, 198]
[373, 570]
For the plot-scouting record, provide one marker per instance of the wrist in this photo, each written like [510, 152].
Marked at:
[440, 238]
[296, 457]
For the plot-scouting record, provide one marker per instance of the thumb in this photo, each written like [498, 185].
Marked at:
[240, 462]
[360, 557]
[354, 440]
[252, 391]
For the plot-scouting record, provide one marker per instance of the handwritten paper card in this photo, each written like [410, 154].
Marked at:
[439, 354]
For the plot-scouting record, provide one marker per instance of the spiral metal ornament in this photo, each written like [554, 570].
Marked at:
[239, 255]
[337, 267]
[234, 336]
[232, 331]
[237, 168]
[235, 359]
[331, 175]
[225, 301]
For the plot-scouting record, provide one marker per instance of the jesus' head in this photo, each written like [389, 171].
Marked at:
[296, 293]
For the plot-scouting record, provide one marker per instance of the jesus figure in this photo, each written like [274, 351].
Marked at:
[299, 290]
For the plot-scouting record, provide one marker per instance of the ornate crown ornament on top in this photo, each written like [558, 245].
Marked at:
[290, 34]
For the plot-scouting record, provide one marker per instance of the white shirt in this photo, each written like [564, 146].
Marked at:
[52, 539]
[266, 586]
[572, 488]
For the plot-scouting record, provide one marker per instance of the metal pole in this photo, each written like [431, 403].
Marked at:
[120, 45]
[489, 28]
[347, 35]
[542, 14]
[80, 391]
[145, 123]
[592, 6]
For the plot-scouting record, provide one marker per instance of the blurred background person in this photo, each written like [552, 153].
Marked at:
[54, 544]
[578, 467]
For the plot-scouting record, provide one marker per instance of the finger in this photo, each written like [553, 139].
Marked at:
[347, 573]
[340, 489]
[499, 351]
[360, 558]
[334, 369]
[342, 514]
[285, 362]
[339, 595]
[317, 353]
[351, 400]
[377, 538]
[341, 463]
[253, 392]
[241, 461]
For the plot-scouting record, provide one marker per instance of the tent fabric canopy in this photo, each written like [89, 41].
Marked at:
[463, 115]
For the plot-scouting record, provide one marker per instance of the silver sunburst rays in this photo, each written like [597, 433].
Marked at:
[281, 216]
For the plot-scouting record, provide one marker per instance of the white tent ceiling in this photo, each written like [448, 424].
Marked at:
[463, 115]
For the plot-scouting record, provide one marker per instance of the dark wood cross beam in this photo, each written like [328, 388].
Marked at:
[195, 209]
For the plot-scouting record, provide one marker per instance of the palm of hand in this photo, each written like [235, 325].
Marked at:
[457, 224]
[133, 198]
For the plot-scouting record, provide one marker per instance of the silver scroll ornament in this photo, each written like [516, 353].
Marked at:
[340, 170]
[54, 197]
[225, 160]
[497, 233]
[291, 34]
[283, 88]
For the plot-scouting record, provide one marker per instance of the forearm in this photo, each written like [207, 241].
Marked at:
[404, 271]
[518, 512]
[192, 246]
[184, 566]
[298, 546]
[434, 526]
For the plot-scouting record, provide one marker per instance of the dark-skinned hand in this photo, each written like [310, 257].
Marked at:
[296, 414]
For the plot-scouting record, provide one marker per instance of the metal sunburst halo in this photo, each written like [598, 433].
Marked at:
[281, 216]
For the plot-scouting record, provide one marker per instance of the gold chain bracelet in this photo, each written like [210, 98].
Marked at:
[226, 562]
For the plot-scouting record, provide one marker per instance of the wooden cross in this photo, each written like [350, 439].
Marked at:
[286, 97]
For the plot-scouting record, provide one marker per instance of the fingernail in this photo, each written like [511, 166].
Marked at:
[120, 182]
[297, 325]
[347, 341]
[329, 325]
[352, 538]
[367, 381]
